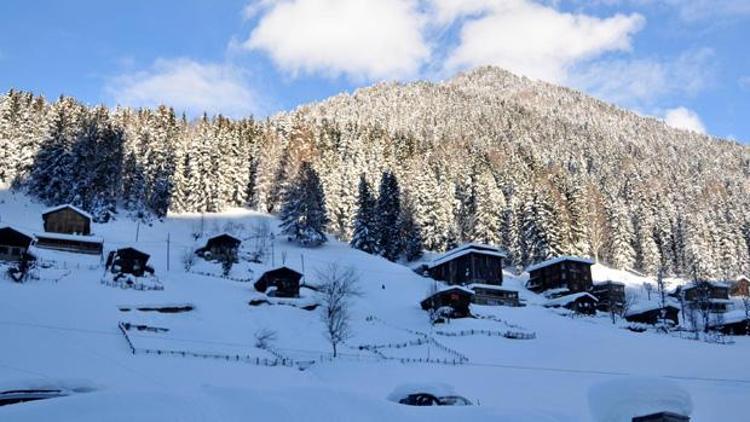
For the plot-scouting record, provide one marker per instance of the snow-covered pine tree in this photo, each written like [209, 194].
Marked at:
[489, 203]
[365, 222]
[303, 214]
[620, 252]
[388, 211]
[410, 232]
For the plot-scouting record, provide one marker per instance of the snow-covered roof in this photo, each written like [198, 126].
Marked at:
[465, 249]
[642, 307]
[72, 237]
[490, 286]
[732, 317]
[568, 299]
[225, 234]
[449, 288]
[436, 389]
[23, 232]
[63, 206]
[557, 260]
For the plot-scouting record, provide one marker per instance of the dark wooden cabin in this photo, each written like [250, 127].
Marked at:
[735, 323]
[285, 280]
[67, 219]
[741, 287]
[70, 243]
[456, 298]
[572, 273]
[611, 296]
[129, 261]
[652, 314]
[220, 245]
[470, 263]
[580, 303]
[662, 417]
[716, 294]
[13, 244]
[488, 294]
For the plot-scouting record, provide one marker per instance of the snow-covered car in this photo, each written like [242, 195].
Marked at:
[427, 395]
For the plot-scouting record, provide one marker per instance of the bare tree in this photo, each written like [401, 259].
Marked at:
[702, 302]
[649, 288]
[336, 289]
[264, 338]
[260, 232]
[188, 259]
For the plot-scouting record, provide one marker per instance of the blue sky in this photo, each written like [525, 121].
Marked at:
[686, 61]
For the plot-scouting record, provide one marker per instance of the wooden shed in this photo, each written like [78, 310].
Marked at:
[128, 261]
[580, 303]
[470, 263]
[220, 245]
[662, 417]
[13, 244]
[70, 243]
[489, 294]
[284, 280]
[456, 298]
[740, 287]
[571, 272]
[611, 296]
[652, 313]
[715, 293]
[67, 219]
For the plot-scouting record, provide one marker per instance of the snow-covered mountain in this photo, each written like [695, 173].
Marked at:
[60, 331]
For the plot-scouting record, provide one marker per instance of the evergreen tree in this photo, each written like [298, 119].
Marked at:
[365, 223]
[388, 209]
[303, 215]
[410, 233]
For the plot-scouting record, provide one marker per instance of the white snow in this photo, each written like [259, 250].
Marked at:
[620, 400]
[66, 333]
[568, 299]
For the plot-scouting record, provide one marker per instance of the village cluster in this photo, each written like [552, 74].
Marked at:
[471, 273]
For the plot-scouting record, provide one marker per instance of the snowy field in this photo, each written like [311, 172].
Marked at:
[61, 331]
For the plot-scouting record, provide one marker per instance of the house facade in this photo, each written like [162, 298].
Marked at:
[580, 303]
[740, 288]
[572, 273]
[706, 293]
[456, 298]
[611, 296]
[128, 261]
[220, 245]
[489, 294]
[470, 263]
[284, 281]
[67, 219]
[13, 244]
[652, 314]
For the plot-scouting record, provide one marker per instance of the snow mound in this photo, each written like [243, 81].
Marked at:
[622, 399]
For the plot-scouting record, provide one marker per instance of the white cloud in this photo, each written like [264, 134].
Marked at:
[642, 82]
[683, 118]
[701, 10]
[187, 86]
[363, 39]
[531, 39]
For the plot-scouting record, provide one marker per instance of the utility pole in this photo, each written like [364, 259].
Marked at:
[203, 223]
[137, 230]
[168, 236]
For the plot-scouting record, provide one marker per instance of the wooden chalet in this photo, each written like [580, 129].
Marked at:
[580, 303]
[490, 294]
[572, 273]
[67, 219]
[13, 244]
[284, 282]
[611, 296]
[220, 245]
[735, 323]
[128, 261]
[469, 263]
[715, 293]
[662, 417]
[651, 314]
[456, 298]
[740, 287]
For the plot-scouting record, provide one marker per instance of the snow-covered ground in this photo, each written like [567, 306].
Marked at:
[62, 330]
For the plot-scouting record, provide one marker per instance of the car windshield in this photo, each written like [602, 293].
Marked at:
[454, 401]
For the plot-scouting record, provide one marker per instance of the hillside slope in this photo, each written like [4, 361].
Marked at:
[61, 331]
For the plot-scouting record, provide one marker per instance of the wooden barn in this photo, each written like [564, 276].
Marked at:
[220, 245]
[91, 245]
[740, 288]
[611, 296]
[470, 263]
[13, 244]
[580, 303]
[128, 261]
[735, 323]
[652, 313]
[490, 294]
[570, 272]
[662, 417]
[717, 295]
[456, 298]
[284, 281]
[67, 219]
